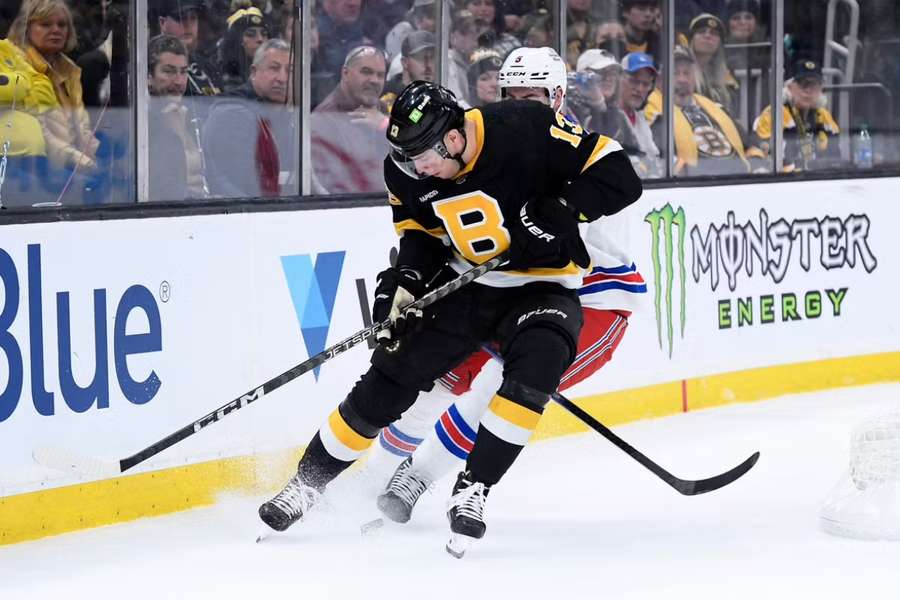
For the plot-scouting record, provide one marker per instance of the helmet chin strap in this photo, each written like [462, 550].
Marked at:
[441, 149]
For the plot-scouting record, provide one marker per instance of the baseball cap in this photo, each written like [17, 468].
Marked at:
[597, 59]
[174, 8]
[635, 61]
[707, 20]
[416, 42]
[423, 3]
[806, 68]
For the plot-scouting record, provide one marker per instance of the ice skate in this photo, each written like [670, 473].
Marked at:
[402, 492]
[466, 514]
[289, 505]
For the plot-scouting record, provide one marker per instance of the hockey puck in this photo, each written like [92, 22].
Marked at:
[372, 526]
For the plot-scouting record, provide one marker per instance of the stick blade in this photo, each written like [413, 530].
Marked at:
[67, 461]
[702, 486]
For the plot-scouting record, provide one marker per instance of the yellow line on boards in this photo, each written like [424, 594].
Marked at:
[54, 511]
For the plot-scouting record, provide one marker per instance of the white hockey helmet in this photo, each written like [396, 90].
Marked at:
[535, 67]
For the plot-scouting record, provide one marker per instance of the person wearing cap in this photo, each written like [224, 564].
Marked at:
[809, 132]
[638, 81]
[247, 30]
[463, 41]
[484, 87]
[421, 17]
[714, 80]
[180, 18]
[416, 62]
[707, 140]
[594, 96]
[639, 17]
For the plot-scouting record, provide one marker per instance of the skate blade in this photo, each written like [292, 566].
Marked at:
[458, 544]
[264, 533]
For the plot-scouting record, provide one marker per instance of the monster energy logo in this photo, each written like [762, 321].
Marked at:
[661, 222]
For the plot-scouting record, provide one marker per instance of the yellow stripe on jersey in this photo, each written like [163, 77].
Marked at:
[514, 413]
[412, 225]
[394, 200]
[345, 434]
[603, 147]
[474, 115]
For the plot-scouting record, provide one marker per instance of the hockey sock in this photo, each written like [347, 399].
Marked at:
[505, 429]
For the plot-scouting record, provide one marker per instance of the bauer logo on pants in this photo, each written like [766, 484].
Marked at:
[313, 290]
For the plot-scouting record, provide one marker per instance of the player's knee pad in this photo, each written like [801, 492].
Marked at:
[538, 356]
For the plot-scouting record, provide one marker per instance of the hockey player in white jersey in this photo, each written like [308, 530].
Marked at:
[436, 434]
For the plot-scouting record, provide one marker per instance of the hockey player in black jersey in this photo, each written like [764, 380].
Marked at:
[465, 186]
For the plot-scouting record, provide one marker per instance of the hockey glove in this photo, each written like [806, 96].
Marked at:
[546, 235]
[397, 287]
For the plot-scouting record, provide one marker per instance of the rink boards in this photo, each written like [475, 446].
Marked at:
[115, 334]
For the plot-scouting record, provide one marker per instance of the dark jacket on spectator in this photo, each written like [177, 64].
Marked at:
[246, 142]
[335, 41]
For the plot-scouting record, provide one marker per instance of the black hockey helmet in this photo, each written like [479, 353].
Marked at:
[420, 116]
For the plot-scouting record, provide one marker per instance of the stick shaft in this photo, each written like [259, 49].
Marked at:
[308, 365]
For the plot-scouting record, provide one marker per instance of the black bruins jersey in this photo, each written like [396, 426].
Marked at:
[524, 151]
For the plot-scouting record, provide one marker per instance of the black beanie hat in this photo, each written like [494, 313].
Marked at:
[736, 6]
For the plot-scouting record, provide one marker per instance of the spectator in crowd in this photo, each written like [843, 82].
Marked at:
[175, 159]
[687, 10]
[347, 127]
[595, 100]
[707, 140]
[249, 134]
[581, 29]
[492, 32]
[421, 18]
[340, 30]
[809, 132]
[483, 86]
[180, 18]
[45, 32]
[638, 81]
[742, 18]
[536, 29]
[25, 95]
[640, 27]
[417, 62]
[463, 41]
[359, 92]
[714, 80]
[247, 31]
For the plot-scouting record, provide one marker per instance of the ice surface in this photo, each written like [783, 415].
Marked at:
[575, 518]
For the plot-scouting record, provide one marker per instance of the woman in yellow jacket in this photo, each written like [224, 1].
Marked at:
[44, 30]
[25, 95]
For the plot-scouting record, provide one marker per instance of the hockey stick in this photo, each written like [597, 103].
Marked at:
[687, 487]
[64, 460]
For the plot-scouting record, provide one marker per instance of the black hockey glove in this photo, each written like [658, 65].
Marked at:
[545, 234]
[397, 287]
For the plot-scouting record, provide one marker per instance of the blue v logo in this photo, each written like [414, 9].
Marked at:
[313, 290]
